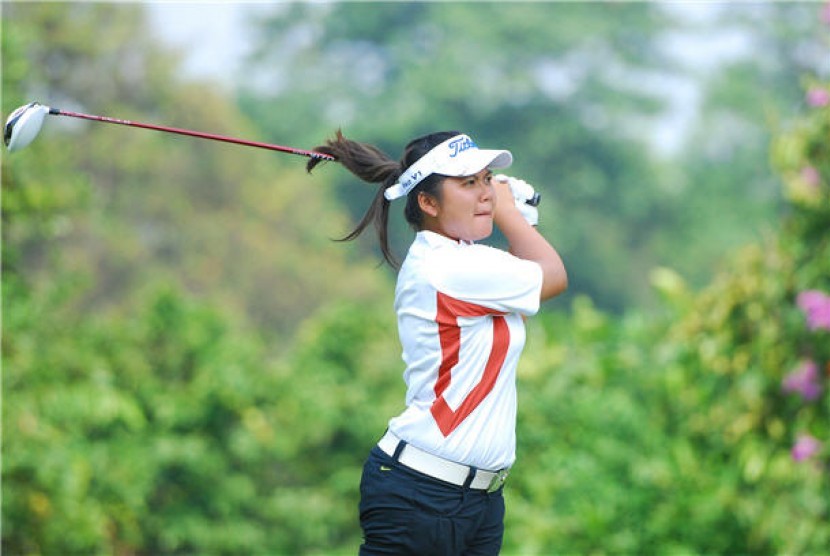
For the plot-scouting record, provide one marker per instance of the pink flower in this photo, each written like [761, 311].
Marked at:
[805, 447]
[810, 176]
[818, 97]
[825, 13]
[804, 380]
[816, 306]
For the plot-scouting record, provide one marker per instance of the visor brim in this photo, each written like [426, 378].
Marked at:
[472, 162]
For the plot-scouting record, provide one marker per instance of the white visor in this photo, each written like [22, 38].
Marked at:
[457, 157]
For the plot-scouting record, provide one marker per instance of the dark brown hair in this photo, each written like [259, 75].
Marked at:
[372, 165]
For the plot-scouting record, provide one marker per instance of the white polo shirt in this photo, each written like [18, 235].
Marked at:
[460, 308]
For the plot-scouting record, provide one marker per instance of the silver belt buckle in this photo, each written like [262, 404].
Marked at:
[498, 480]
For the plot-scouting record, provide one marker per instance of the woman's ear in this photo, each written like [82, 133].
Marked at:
[428, 204]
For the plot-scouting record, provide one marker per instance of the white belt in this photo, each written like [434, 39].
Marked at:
[440, 468]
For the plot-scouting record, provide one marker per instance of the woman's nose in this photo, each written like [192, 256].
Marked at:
[485, 189]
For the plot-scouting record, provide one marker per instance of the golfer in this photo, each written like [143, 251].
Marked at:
[433, 483]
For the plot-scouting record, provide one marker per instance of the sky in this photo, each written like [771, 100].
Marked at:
[212, 35]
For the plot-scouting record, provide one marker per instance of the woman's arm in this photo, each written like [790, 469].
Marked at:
[527, 243]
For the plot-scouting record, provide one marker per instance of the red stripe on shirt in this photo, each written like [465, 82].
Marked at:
[449, 333]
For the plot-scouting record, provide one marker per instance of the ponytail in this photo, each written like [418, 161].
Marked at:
[372, 165]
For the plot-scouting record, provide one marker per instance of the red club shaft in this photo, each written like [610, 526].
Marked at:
[202, 135]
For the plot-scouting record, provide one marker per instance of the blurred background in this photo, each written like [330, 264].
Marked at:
[192, 365]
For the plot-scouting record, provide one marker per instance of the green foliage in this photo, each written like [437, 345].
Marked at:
[744, 336]
[140, 419]
[339, 392]
[676, 434]
[120, 434]
[241, 226]
[170, 433]
[575, 97]
[190, 366]
[390, 72]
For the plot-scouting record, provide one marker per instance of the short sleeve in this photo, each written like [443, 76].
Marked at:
[487, 276]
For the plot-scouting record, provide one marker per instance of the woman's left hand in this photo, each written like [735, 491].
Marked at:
[521, 193]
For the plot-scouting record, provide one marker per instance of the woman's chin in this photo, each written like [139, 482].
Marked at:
[482, 231]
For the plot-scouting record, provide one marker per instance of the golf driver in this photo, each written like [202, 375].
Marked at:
[24, 124]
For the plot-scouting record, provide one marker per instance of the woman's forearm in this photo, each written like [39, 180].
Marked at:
[527, 243]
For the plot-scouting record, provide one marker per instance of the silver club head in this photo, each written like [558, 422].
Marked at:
[23, 125]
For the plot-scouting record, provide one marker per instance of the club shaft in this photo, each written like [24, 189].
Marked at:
[191, 133]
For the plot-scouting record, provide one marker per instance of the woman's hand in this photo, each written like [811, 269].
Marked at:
[526, 242]
[504, 196]
[524, 197]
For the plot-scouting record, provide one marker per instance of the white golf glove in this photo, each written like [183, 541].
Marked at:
[525, 197]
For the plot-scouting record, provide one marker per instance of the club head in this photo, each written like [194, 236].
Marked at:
[23, 125]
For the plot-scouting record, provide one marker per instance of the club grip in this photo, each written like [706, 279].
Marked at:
[535, 200]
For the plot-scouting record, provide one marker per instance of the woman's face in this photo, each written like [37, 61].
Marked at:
[465, 209]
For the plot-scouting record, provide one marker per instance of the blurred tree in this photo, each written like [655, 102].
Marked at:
[704, 428]
[534, 81]
[750, 87]
[238, 225]
[149, 283]
[576, 97]
[148, 435]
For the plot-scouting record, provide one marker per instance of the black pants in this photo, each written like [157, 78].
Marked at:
[403, 511]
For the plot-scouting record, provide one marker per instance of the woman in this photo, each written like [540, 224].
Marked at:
[433, 483]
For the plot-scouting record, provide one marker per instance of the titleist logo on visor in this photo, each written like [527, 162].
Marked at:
[461, 144]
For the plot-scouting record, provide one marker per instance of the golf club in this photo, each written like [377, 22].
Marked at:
[23, 125]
